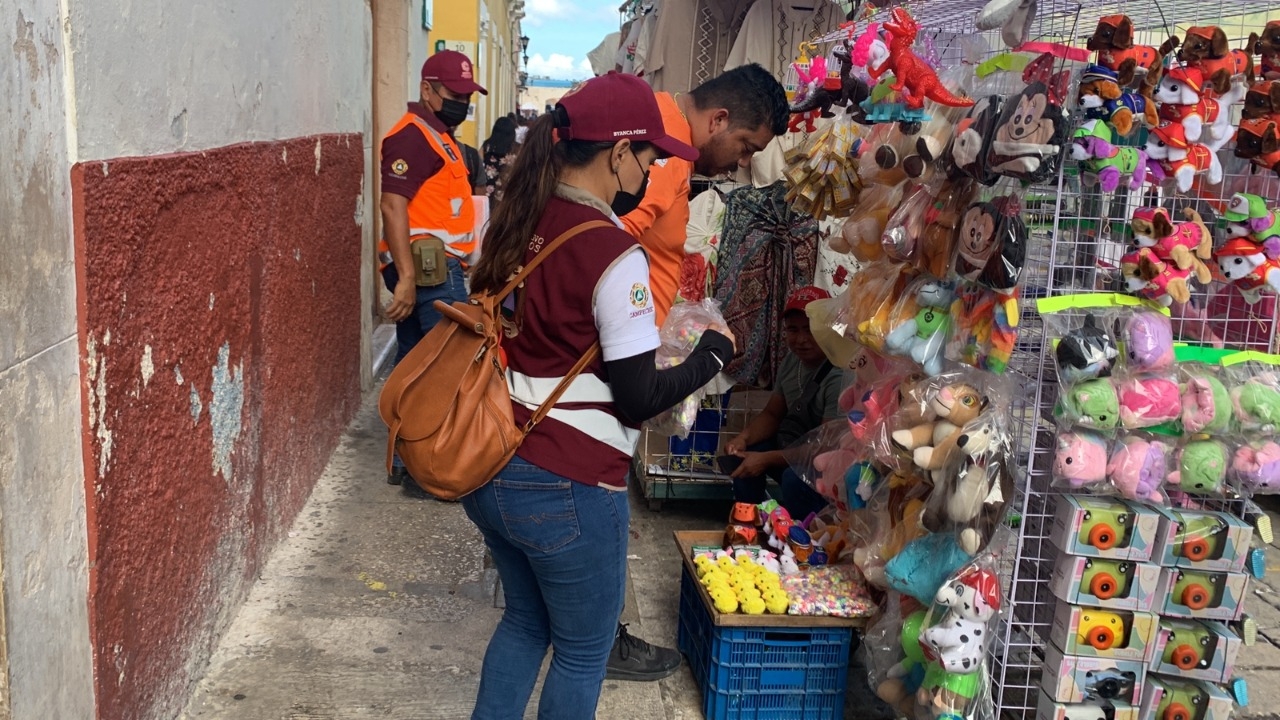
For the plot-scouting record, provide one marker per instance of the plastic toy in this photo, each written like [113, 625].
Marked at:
[958, 641]
[1206, 405]
[1184, 100]
[1148, 342]
[1085, 353]
[1110, 684]
[1202, 467]
[1102, 98]
[1138, 468]
[1256, 403]
[1147, 276]
[1245, 265]
[1249, 217]
[1256, 466]
[1187, 244]
[913, 78]
[905, 677]
[1179, 701]
[1101, 630]
[1106, 579]
[1080, 459]
[1187, 644]
[823, 92]
[1262, 99]
[1205, 49]
[1029, 135]
[1148, 401]
[1106, 527]
[1091, 147]
[923, 337]
[1093, 404]
[809, 103]
[1268, 46]
[933, 444]
[1180, 159]
[1196, 590]
[1199, 538]
[1258, 141]
[1113, 41]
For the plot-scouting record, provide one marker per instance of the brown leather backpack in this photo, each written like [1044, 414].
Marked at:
[447, 404]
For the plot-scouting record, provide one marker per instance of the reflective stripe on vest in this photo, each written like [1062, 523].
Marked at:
[442, 206]
[530, 392]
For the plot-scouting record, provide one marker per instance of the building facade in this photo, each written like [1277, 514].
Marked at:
[489, 32]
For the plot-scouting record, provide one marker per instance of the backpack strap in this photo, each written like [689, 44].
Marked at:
[545, 408]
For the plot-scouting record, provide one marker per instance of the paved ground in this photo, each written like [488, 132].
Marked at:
[380, 606]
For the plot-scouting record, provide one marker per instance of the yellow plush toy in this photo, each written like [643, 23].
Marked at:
[776, 602]
[754, 606]
[724, 600]
[725, 562]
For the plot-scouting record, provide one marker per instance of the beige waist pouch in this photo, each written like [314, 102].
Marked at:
[430, 261]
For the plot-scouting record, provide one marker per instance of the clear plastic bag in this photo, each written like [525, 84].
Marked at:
[1139, 465]
[679, 335]
[1206, 402]
[873, 308]
[897, 662]
[1255, 399]
[1148, 400]
[1080, 459]
[1085, 348]
[863, 230]
[1147, 339]
[1030, 135]
[923, 324]
[1200, 467]
[990, 254]
[969, 500]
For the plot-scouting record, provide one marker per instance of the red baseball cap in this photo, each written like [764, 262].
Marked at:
[616, 107]
[453, 70]
[801, 298]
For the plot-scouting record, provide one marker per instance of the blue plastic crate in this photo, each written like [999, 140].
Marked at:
[763, 673]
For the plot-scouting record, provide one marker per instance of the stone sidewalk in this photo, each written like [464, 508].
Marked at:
[380, 606]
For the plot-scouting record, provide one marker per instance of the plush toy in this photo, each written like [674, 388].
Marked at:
[1138, 468]
[862, 232]
[1148, 342]
[1092, 404]
[1245, 265]
[1258, 141]
[1113, 41]
[905, 677]
[1202, 467]
[1256, 403]
[1205, 118]
[1102, 98]
[971, 497]
[725, 601]
[776, 602]
[1256, 466]
[1249, 217]
[1177, 158]
[1205, 49]
[916, 153]
[933, 444]
[1268, 46]
[1148, 401]
[1147, 276]
[1085, 353]
[831, 468]
[1106, 163]
[1206, 405]
[924, 565]
[1029, 135]
[1013, 17]
[959, 641]
[913, 78]
[971, 142]
[1262, 100]
[1080, 459]
[923, 337]
[992, 245]
[938, 243]
[1187, 245]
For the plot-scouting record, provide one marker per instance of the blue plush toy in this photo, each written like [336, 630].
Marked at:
[924, 565]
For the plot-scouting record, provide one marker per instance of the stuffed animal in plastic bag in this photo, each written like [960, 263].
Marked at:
[933, 444]
[831, 468]
[1249, 217]
[1256, 403]
[1085, 353]
[862, 232]
[1256, 467]
[1201, 467]
[1187, 244]
[1138, 468]
[972, 497]
[1091, 404]
[1105, 163]
[1206, 405]
[904, 678]
[959, 641]
[1246, 266]
[923, 337]
[1148, 401]
[924, 565]
[1148, 342]
[1080, 458]
[1029, 135]
[971, 142]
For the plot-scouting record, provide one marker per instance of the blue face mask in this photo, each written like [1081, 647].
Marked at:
[624, 202]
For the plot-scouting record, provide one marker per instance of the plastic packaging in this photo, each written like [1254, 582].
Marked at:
[1080, 459]
[1139, 465]
[1147, 339]
[990, 254]
[955, 638]
[924, 324]
[862, 232]
[1030, 135]
[969, 501]
[830, 590]
[1148, 400]
[1086, 348]
[876, 303]
[679, 335]
[1090, 404]
[1201, 467]
[1206, 403]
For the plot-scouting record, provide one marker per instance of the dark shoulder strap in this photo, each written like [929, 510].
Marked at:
[815, 384]
[544, 252]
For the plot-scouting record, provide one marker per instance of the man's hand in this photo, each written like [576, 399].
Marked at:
[754, 464]
[403, 300]
[736, 446]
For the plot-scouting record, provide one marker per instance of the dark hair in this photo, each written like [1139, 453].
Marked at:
[503, 137]
[753, 97]
[531, 181]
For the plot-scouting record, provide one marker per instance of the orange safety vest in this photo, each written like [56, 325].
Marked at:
[442, 206]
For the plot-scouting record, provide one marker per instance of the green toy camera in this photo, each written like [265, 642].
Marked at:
[1200, 538]
[1188, 644]
[1106, 579]
[1105, 527]
[1197, 590]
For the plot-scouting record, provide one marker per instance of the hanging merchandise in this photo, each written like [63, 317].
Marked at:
[1245, 265]
[1187, 245]
[1112, 40]
[1103, 98]
[771, 32]
[914, 79]
[679, 335]
[1248, 216]
[990, 255]
[1205, 50]
[1104, 164]
[1205, 117]
[691, 41]
[955, 638]
[1258, 141]
[821, 176]
[1030, 135]
[1268, 46]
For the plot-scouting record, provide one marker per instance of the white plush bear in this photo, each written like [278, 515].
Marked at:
[958, 642]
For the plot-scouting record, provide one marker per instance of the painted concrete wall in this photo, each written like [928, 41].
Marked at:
[418, 41]
[42, 499]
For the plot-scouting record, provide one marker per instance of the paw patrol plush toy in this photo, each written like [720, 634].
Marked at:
[1246, 266]
[1249, 217]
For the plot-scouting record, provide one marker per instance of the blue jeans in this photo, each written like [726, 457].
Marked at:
[411, 330]
[561, 550]
[795, 494]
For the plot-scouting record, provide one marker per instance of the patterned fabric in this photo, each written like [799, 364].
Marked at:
[495, 170]
[766, 250]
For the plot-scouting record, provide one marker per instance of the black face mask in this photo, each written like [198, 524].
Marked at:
[453, 112]
[624, 202]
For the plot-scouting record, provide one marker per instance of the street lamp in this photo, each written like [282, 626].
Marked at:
[524, 48]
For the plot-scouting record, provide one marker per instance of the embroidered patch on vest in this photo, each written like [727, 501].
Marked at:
[639, 295]
[399, 167]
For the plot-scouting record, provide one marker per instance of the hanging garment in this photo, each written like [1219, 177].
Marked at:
[644, 45]
[691, 42]
[604, 58]
[772, 32]
[767, 249]
[835, 269]
[627, 53]
[701, 247]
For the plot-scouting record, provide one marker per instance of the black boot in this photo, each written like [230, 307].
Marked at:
[398, 476]
[635, 659]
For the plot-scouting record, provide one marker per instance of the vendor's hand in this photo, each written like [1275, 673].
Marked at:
[403, 300]
[753, 465]
[736, 446]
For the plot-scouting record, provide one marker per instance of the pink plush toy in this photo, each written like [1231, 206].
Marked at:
[1148, 401]
[831, 467]
[1148, 342]
[1206, 405]
[1138, 468]
[1256, 467]
[1081, 458]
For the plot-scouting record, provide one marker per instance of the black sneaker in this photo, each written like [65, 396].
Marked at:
[635, 659]
[415, 491]
[397, 476]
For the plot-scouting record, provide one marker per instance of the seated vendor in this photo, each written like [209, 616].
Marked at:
[806, 393]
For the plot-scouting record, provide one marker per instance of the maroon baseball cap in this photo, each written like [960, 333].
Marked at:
[453, 70]
[617, 107]
[801, 298]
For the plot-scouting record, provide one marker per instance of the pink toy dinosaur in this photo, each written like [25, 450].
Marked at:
[811, 81]
[913, 78]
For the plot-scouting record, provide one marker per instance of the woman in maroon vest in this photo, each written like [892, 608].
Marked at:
[556, 518]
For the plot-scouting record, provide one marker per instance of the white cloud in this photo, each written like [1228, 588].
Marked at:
[540, 11]
[560, 67]
[585, 68]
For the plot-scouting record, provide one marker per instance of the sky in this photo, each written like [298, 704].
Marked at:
[562, 32]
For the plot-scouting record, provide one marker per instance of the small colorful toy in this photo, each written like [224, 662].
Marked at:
[1202, 467]
[1106, 527]
[1148, 401]
[1106, 579]
[1110, 685]
[1138, 468]
[933, 444]
[958, 641]
[1113, 41]
[1187, 244]
[913, 78]
[1196, 590]
[1268, 46]
[1148, 342]
[1085, 353]
[1102, 98]
[1180, 159]
[1262, 100]
[810, 102]
[1184, 100]
[1149, 277]
[1199, 538]
[1092, 404]
[1206, 405]
[1106, 163]
[1205, 49]
[1245, 265]
[1258, 141]
[1249, 217]
[923, 337]
[1101, 630]
[1187, 643]
[1256, 403]
[1256, 466]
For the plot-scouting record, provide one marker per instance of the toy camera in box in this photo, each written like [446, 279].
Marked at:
[1109, 584]
[1104, 527]
[1203, 540]
[1169, 698]
[1188, 593]
[1195, 649]
[1092, 632]
[1099, 710]
[1073, 679]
